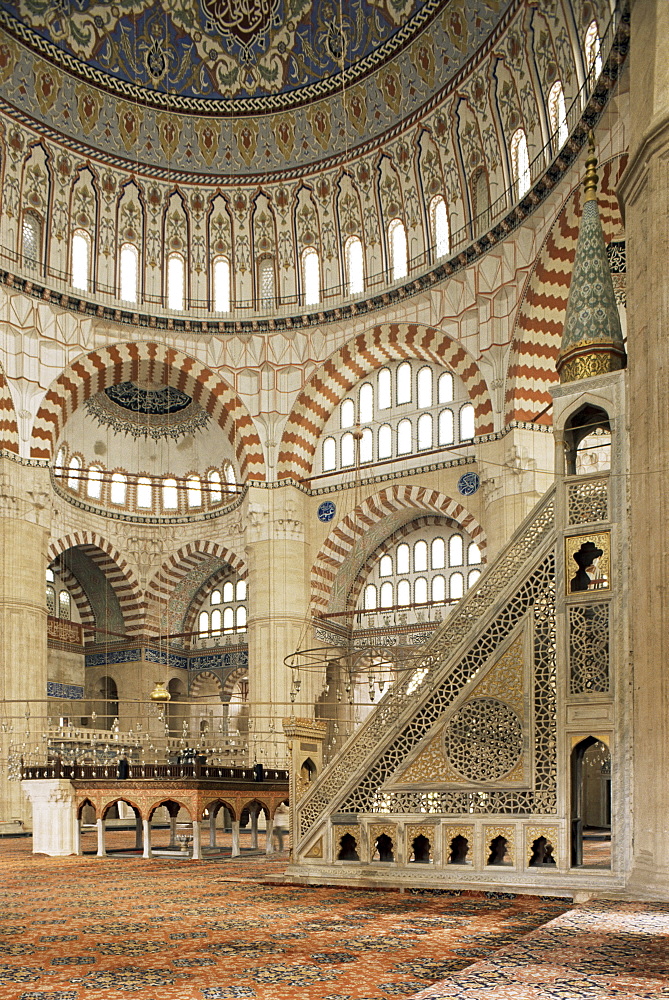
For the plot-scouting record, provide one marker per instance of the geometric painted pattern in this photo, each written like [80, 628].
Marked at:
[352, 537]
[352, 362]
[542, 312]
[142, 362]
[9, 431]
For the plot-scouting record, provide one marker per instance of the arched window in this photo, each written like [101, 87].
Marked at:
[347, 413]
[472, 577]
[176, 281]
[230, 477]
[446, 432]
[386, 595]
[241, 618]
[228, 592]
[520, 163]
[397, 242]
[439, 228]
[170, 494]
[50, 576]
[424, 387]
[144, 493]
[403, 558]
[216, 622]
[557, 114]
[438, 588]
[31, 240]
[194, 491]
[215, 491]
[420, 590]
[457, 586]
[74, 477]
[438, 553]
[404, 444]
[60, 460]
[593, 50]
[81, 259]
[386, 566]
[240, 590]
[221, 284]
[329, 455]
[347, 450]
[403, 593]
[355, 268]
[203, 624]
[266, 282]
[473, 554]
[129, 272]
[383, 385]
[366, 404]
[467, 422]
[367, 445]
[370, 597]
[424, 431]
[385, 441]
[94, 484]
[51, 600]
[445, 388]
[420, 556]
[403, 387]
[215, 597]
[64, 605]
[118, 490]
[455, 550]
[228, 620]
[311, 276]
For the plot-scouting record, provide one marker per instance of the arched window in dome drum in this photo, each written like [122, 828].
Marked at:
[221, 275]
[215, 491]
[119, 489]
[355, 268]
[266, 282]
[144, 493]
[194, 491]
[230, 476]
[593, 50]
[170, 494]
[397, 242]
[60, 459]
[311, 276]
[557, 115]
[31, 240]
[520, 163]
[94, 484]
[129, 272]
[176, 276]
[439, 227]
[467, 422]
[74, 476]
[81, 259]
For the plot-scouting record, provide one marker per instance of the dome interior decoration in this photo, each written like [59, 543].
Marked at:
[147, 410]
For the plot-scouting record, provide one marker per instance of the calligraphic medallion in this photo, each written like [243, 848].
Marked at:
[243, 20]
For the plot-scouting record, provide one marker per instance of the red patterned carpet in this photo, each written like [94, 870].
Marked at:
[162, 929]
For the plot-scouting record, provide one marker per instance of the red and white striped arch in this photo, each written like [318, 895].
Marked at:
[352, 541]
[116, 570]
[542, 311]
[150, 362]
[9, 429]
[352, 362]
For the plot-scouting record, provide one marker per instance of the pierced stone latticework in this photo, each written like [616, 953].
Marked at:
[589, 649]
[484, 739]
[588, 501]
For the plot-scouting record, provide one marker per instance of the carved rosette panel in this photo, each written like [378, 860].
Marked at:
[509, 834]
[484, 740]
[413, 830]
[532, 833]
[588, 501]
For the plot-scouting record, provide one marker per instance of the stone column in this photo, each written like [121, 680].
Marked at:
[235, 839]
[24, 509]
[146, 829]
[645, 192]
[212, 829]
[173, 831]
[138, 832]
[269, 846]
[254, 829]
[196, 840]
[54, 816]
[77, 835]
[100, 824]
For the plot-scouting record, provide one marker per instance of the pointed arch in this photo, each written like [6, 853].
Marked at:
[355, 359]
[147, 361]
[200, 678]
[114, 568]
[541, 314]
[356, 536]
[9, 428]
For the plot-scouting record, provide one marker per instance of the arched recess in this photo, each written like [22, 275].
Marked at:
[352, 541]
[541, 314]
[197, 596]
[355, 359]
[205, 679]
[418, 522]
[148, 362]
[9, 428]
[100, 560]
[167, 601]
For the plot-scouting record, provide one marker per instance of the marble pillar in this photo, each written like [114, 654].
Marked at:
[54, 816]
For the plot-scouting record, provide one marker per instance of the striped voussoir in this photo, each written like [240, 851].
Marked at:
[116, 570]
[177, 567]
[427, 521]
[148, 362]
[356, 359]
[9, 430]
[205, 679]
[541, 315]
[77, 594]
[355, 526]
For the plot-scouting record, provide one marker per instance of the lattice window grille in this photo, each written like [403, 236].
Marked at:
[383, 720]
[588, 501]
[484, 739]
[589, 649]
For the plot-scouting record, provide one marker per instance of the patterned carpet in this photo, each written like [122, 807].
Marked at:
[122, 928]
